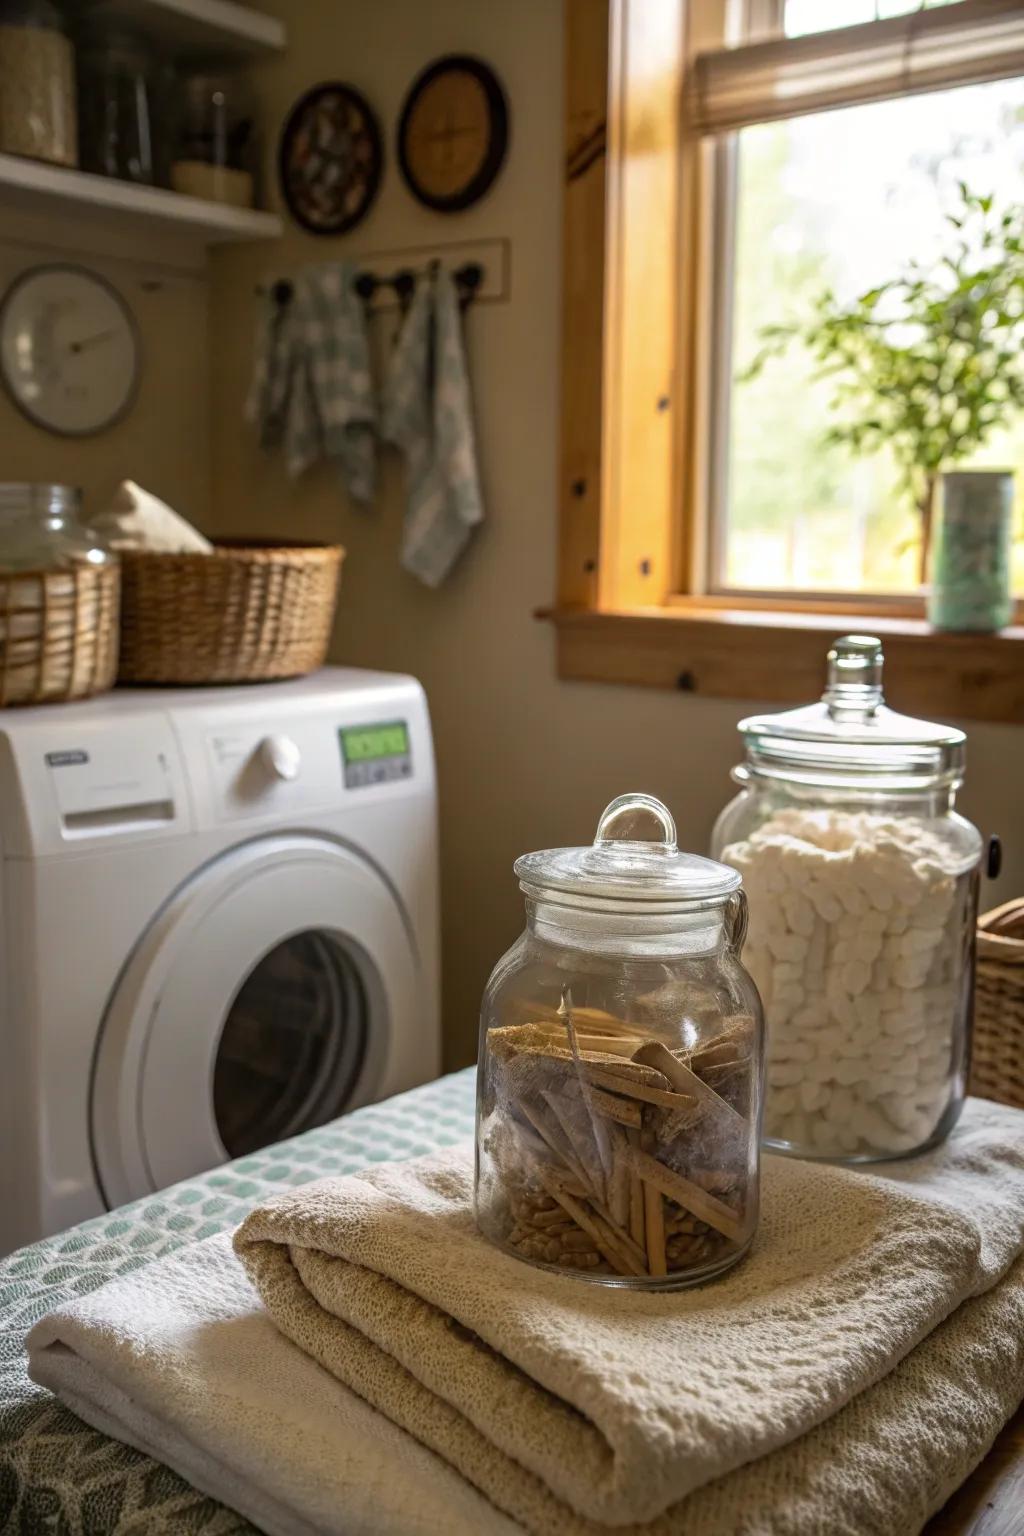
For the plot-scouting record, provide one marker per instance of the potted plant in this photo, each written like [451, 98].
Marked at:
[930, 364]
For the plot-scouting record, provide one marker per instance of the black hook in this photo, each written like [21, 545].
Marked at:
[404, 284]
[467, 280]
[281, 293]
[365, 286]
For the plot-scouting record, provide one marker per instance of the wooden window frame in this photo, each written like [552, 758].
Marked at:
[639, 256]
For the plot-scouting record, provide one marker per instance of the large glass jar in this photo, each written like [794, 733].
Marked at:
[116, 118]
[862, 882]
[37, 83]
[217, 151]
[40, 529]
[619, 1098]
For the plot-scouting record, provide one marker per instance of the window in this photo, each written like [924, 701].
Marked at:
[725, 160]
[840, 198]
[801, 17]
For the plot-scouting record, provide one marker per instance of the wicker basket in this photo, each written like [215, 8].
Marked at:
[248, 612]
[997, 1061]
[58, 633]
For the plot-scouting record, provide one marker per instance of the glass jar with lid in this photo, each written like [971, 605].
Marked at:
[40, 529]
[117, 124]
[862, 881]
[37, 83]
[217, 151]
[619, 1097]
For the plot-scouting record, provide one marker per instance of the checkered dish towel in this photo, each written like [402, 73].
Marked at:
[311, 383]
[427, 413]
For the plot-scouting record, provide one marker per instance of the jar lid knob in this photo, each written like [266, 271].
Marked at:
[854, 686]
[619, 821]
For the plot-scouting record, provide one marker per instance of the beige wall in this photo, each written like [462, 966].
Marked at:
[524, 761]
[163, 442]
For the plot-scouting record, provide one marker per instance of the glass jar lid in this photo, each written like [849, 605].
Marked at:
[852, 736]
[634, 858]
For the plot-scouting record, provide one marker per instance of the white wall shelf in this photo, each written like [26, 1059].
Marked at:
[200, 28]
[34, 187]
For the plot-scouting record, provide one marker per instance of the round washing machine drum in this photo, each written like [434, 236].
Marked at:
[271, 994]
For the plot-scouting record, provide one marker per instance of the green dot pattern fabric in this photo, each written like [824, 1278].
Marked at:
[60, 1478]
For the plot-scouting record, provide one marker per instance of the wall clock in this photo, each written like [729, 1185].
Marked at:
[69, 350]
[330, 159]
[453, 133]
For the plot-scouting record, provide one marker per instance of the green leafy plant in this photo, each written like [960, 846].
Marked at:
[930, 363]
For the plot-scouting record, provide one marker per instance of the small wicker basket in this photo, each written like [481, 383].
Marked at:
[58, 633]
[248, 612]
[997, 1060]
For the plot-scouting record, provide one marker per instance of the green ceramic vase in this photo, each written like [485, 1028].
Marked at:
[971, 565]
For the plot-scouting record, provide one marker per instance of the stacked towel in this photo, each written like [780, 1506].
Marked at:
[844, 1378]
[312, 385]
[428, 414]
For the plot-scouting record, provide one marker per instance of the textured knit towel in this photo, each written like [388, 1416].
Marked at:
[311, 384]
[427, 413]
[849, 1272]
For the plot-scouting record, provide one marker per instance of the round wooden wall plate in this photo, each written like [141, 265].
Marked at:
[453, 133]
[330, 159]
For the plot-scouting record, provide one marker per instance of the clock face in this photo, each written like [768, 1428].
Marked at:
[69, 350]
[453, 133]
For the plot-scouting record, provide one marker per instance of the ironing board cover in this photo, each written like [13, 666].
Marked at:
[57, 1476]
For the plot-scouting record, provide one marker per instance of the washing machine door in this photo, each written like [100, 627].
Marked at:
[274, 991]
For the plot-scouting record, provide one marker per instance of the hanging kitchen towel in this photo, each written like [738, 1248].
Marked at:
[311, 386]
[821, 1369]
[427, 413]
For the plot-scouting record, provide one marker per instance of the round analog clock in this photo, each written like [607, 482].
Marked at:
[69, 350]
[330, 159]
[453, 133]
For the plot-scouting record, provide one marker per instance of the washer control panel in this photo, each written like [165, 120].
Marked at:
[378, 753]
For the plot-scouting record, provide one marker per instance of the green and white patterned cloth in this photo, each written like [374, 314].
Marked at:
[427, 412]
[57, 1476]
[311, 384]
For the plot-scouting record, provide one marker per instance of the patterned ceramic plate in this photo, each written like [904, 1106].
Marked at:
[330, 159]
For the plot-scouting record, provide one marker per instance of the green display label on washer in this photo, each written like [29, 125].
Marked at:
[375, 754]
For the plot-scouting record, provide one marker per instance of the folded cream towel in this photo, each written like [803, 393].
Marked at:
[182, 1361]
[136, 519]
[545, 1393]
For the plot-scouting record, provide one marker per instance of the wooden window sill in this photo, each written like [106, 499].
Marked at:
[778, 656]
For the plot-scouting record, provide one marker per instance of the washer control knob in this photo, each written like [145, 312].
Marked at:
[280, 756]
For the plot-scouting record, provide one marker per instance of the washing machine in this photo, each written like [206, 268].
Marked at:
[219, 927]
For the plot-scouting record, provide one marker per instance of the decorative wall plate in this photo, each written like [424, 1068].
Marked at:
[69, 350]
[330, 159]
[453, 133]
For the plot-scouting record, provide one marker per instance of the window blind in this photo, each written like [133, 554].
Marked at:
[928, 50]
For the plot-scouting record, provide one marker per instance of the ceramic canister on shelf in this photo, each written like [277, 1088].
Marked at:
[971, 587]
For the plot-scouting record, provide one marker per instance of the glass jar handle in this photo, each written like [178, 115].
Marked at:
[622, 813]
[736, 911]
[854, 688]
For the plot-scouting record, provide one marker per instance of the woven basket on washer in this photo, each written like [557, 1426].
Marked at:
[58, 633]
[997, 1058]
[248, 612]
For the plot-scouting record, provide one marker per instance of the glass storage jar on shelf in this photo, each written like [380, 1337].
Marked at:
[40, 529]
[862, 882]
[118, 129]
[37, 83]
[217, 152]
[619, 1098]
